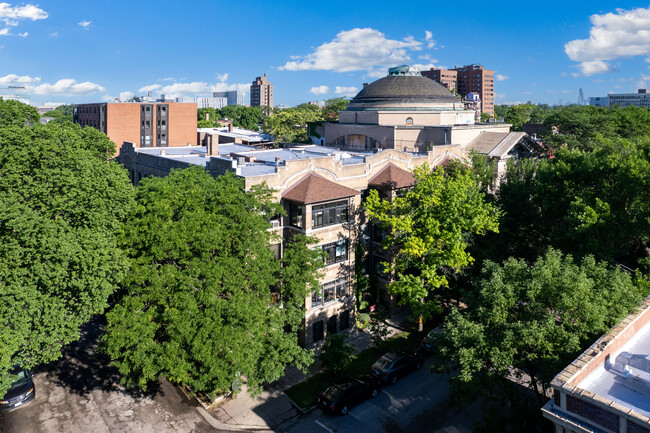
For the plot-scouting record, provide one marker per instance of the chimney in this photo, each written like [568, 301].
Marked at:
[212, 147]
[207, 116]
[277, 160]
[364, 85]
[230, 127]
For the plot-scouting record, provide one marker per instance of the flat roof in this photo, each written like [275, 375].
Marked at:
[604, 381]
[264, 158]
[246, 134]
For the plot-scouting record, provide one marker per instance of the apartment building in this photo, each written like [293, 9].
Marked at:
[607, 388]
[261, 92]
[233, 97]
[151, 124]
[470, 78]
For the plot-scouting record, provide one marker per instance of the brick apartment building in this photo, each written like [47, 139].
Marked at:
[153, 124]
[607, 388]
[261, 92]
[468, 79]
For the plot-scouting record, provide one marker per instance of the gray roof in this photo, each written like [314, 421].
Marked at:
[495, 144]
[404, 88]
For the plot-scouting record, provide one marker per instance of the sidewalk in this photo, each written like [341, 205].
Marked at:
[272, 407]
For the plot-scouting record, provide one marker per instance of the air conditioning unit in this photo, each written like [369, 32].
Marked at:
[275, 224]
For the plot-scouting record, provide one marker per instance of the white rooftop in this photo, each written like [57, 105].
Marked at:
[238, 133]
[629, 392]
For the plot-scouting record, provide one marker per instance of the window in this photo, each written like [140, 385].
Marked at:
[409, 121]
[344, 322]
[331, 325]
[336, 251]
[329, 292]
[327, 214]
[295, 214]
[317, 331]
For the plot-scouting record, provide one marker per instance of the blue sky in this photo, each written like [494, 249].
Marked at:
[71, 51]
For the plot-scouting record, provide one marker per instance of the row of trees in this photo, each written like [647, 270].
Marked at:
[536, 265]
[284, 124]
[181, 265]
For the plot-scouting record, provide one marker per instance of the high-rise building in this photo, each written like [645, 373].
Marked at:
[233, 97]
[261, 92]
[144, 124]
[468, 79]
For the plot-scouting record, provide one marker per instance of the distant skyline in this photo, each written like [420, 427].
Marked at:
[98, 50]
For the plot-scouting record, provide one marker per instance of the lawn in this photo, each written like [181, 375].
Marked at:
[305, 393]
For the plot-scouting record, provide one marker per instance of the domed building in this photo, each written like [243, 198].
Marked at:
[408, 112]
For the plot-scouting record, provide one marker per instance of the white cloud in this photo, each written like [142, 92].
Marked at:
[429, 39]
[222, 77]
[526, 93]
[126, 95]
[320, 90]
[149, 88]
[597, 80]
[68, 86]
[27, 12]
[500, 77]
[567, 91]
[644, 82]
[499, 96]
[595, 67]
[85, 24]
[54, 34]
[346, 91]
[356, 50]
[612, 35]
[564, 74]
[11, 16]
[167, 79]
[18, 79]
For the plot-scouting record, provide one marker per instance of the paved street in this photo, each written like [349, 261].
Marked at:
[81, 393]
[417, 403]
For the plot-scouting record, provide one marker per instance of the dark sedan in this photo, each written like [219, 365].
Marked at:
[21, 390]
[343, 395]
[394, 365]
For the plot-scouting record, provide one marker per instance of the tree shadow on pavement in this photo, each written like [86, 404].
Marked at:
[82, 369]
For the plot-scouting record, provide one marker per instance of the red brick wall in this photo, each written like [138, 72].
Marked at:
[182, 124]
[123, 123]
[592, 412]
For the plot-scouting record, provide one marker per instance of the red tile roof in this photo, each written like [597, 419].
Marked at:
[314, 188]
[392, 177]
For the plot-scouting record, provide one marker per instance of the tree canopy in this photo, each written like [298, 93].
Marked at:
[62, 203]
[535, 318]
[17, 114]
[196, 305]
[428, 228]
[242, 117]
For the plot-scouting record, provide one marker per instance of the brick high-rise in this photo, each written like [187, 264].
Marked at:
[468, 79]
[261, 92]
[152, 124]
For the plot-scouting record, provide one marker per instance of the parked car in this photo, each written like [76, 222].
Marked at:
[394, 365]
[427, 342]
[345, 394]
[22, 390]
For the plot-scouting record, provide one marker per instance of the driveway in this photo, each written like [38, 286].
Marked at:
[82, 393]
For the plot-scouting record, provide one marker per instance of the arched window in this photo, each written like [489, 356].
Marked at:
[409, 121]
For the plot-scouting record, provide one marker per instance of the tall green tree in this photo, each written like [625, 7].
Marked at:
[197, 305]
[332, 107]
[62, 204]
[17, 114]
[290, 124]
[429, 228]
[533, 318]
[517, 115]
